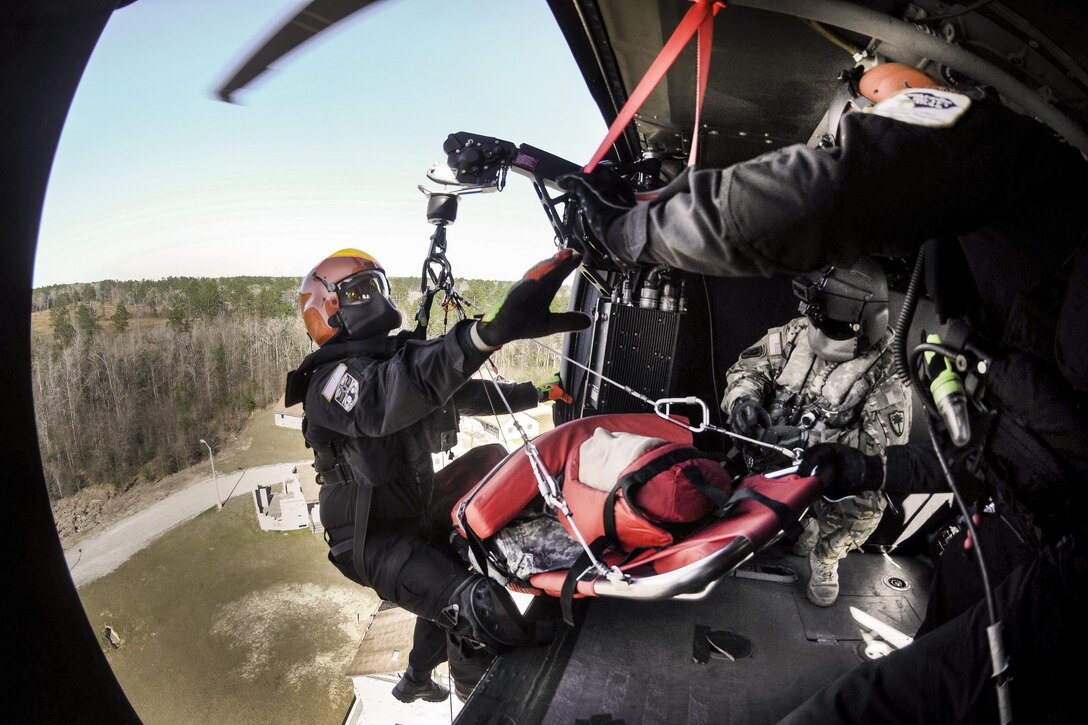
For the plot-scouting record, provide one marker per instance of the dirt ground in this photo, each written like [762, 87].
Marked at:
[96, 507]
[93, 508]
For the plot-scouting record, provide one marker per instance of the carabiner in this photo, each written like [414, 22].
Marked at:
[690, 400]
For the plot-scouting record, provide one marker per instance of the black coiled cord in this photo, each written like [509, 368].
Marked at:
[906, 315]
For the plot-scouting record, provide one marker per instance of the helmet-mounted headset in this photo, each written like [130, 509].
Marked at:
[847, 308]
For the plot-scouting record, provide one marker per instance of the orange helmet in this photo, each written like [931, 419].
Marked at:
[887, 79]
[862, 88]
[347, 295]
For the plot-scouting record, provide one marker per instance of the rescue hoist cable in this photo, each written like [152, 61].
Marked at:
[443, 280]
[437, 276]
[553, 495]
[662, 408]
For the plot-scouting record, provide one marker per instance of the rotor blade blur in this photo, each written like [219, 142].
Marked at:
[316, 17]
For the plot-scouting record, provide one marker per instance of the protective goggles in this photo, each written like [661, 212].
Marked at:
[360, 288]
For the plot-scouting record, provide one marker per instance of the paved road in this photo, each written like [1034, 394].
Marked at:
[100, 554]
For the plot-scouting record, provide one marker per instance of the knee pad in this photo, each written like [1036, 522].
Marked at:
[484, 613]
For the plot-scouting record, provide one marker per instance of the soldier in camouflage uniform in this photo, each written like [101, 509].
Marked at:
[827, 376]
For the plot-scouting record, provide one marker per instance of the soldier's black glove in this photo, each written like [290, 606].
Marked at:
[603, 196]
[844, 471]
[748, 418]
[523, 312]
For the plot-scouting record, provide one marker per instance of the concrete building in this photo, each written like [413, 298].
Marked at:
[378, 665]
[290, 504]
[502, 428]
[287, 417]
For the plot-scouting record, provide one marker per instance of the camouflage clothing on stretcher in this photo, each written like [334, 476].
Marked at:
[859, 403]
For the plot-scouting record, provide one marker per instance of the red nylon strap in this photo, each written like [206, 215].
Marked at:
[704, 43]
[699, 17]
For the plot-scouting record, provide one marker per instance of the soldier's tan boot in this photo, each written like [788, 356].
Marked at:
[823, 586]
[810, 531]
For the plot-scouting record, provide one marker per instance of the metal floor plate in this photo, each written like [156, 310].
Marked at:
[647, 662]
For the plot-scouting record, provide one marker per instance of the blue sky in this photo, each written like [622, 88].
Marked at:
[154, 177]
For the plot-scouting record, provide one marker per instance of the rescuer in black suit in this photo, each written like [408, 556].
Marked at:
[377, 406]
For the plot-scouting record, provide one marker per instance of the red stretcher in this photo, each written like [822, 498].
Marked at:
[690, 564]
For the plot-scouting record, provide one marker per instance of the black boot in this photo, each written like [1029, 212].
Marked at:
[413, 686]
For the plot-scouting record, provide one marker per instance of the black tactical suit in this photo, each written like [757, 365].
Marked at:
[375, 412]
[1001, 189]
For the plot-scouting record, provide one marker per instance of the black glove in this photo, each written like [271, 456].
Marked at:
[523, 312]
[748, 418]
[843, 470]
[603, 196]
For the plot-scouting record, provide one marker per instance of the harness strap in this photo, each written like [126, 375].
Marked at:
[722, 502]
[362, 514]
[336, 475]
[782, 512]
[638, 478]
[582, 566]
[699, 17]
[345, 545]
[531, 633]
[477, 547]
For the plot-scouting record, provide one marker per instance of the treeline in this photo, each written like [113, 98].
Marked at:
[119, 402]
[181, 298]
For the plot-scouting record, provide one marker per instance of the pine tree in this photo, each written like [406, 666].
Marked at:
[177, 320]
[120, 317]
[86, 320]
[63, 331]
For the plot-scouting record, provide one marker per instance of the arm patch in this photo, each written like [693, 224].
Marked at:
[923, 107]
[341, 388]
[898, 422]
[774, 344]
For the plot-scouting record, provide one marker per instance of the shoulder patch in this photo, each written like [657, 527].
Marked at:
[898, 421]
[341, 388]
[931, 107]
[774, 344]
[754, 351]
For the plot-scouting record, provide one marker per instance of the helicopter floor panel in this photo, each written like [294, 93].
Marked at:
[749, 652]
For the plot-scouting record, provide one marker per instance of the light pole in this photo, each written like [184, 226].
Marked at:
[214, 482]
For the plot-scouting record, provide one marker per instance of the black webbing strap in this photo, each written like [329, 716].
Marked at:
[336, 551]
[578, 569]
[786, 518]
[638, 478]
[336, 475]
[529, 633]
[476, 546]
[721, 500]
[362, 513]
